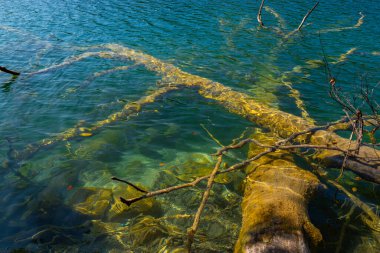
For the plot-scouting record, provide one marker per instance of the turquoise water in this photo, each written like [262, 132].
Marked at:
[219, 40]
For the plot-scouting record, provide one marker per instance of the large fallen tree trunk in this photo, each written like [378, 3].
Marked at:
[277, 191]
[282, 123]
[274, 207]
[366, 162]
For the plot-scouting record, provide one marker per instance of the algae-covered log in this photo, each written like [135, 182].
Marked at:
[282, 123]
[366, 164]
[274, 207]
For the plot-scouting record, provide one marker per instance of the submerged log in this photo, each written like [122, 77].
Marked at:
[282, 123]
[274, 206]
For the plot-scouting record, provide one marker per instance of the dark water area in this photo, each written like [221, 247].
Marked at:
[62, 198]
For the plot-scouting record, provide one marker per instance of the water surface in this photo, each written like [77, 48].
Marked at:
[44, 196]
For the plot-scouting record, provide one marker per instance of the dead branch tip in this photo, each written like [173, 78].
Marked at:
[259, 14]
[4, 69]
[129, 183]
[307, 15]
[129, 202]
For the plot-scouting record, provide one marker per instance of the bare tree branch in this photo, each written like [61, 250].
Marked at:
[191, 232]
[129, 183]
[307, 15]
[259, 14]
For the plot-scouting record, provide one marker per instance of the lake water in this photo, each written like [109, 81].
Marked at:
[62, 198]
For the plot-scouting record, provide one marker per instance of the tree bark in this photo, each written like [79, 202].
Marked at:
[274, 206]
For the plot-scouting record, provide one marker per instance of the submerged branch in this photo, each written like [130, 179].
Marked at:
[280, 20]
[211, 135]
[220, 153]
[73, 59]
[356, 26]
[282, 123]
[374, 220]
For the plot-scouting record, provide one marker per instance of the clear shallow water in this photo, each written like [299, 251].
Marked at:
[217, 40]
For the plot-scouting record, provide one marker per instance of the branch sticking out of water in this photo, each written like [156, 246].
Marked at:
[302, 22]
[4, 69]
[259, 14]
[307, 15]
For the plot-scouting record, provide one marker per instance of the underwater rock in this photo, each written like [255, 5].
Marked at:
[120, 212]
[105, 147]
[172, 129]
[196, 165]
[165, 178]
[109, 236]
[91, 201]
[101, 203]
[96, 174]
[147, 231]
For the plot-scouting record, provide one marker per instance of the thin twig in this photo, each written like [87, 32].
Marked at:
[234, 146]
[211, 135]
[374, 221]
[345, 157]
[307, 15]
[193, 229]
[343, 229]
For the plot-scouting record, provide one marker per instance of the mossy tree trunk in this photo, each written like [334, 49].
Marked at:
[274, 206]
